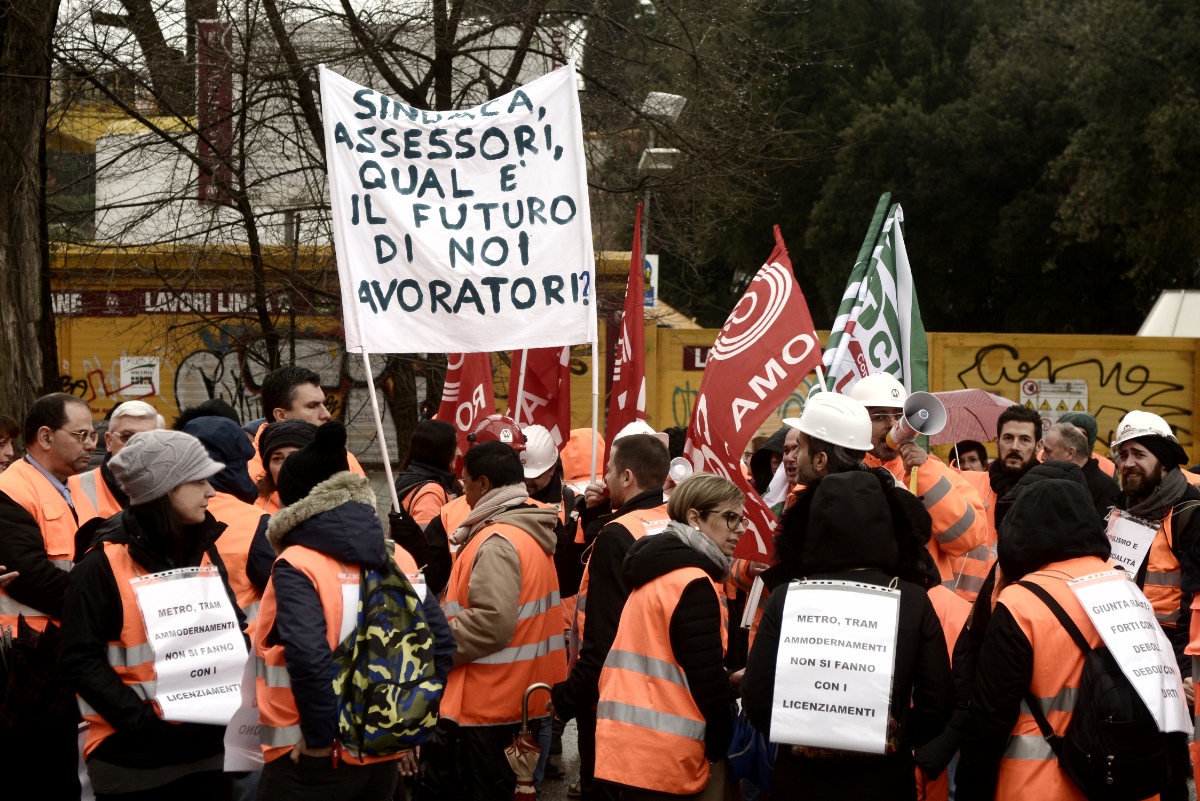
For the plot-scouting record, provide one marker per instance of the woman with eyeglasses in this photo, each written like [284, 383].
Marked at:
[665, 716]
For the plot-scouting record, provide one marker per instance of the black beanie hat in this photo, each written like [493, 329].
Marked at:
[1170, 454]
[321, 459]
[284, 434]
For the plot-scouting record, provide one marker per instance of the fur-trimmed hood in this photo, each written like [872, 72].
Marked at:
[337, 518]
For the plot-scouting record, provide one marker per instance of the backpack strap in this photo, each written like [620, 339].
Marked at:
[1031, 701]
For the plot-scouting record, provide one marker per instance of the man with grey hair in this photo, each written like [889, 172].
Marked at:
[1065, 442]
[100, 486]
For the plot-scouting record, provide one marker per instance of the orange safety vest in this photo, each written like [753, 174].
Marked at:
[959, 524]
[639, 523]
[278, 717]
[1028, 761]
[971, 569]
[452, 516]
[58, 523]
[649, 731]
[430, 489]
[1107, 467]
[92, 486]
[241, 522]
[130, 655]
[1163, 576]
[490, 690]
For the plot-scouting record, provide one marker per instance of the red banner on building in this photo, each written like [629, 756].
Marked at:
[764, 351]
[546, 396]
[467, 395]
[627, 401]
[214, 109]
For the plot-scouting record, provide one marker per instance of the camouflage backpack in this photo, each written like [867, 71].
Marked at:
[386, 685]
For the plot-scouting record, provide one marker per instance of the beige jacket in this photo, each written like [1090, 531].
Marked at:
[488, 623]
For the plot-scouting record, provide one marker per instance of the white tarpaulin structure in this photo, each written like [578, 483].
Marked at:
[461, 231]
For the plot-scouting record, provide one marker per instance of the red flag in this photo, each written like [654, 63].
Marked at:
[547, 391]
[764, 351]
[468, 394]
[627, 402]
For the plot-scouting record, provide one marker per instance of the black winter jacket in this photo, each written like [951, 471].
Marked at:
[93, 617]
[337, 518]
[921, 675]
[695, 631]
[607, 592]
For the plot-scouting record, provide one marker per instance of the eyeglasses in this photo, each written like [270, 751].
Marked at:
[887, 417]
[82, 437]
[733, 520]
[122, 436]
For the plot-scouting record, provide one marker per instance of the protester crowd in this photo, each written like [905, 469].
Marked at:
[394, 656]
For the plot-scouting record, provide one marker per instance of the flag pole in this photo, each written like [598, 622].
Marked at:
[821, 379]
[520, 387]
[595, 406]
[387, 463]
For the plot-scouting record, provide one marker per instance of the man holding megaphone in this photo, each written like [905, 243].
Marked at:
[959, 518]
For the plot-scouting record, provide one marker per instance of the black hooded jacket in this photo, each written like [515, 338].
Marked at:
[608, 590]
[92, 618]
[934, 756]
[1051, 520]
[349, 531]
[695, 630]
[856, 527]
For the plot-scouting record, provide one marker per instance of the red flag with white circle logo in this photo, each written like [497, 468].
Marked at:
[764, 351]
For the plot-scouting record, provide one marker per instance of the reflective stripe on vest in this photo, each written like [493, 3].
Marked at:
[960, 527]
[121, 656]
[87, 482]
[523, 653]
[251, 611]
[647, 666]
[1028, 746]
[650, 719]
[1164, 576]
[278, 736]
[272, 675]
[145, 690]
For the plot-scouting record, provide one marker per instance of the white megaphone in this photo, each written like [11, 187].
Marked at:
[923, 414]
[680, 469]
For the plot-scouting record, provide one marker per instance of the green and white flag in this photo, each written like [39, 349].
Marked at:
[878, 327]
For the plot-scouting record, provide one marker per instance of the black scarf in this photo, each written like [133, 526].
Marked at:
[421, 473]
[1162, 499]
[1003, 484]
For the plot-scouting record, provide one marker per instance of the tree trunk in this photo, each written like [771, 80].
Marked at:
[28, 355]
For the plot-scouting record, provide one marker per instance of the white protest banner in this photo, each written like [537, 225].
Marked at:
[461, 230]
[1125, 620]
[199, 652]
[243, 751]
[833, 673]
[1130, 539]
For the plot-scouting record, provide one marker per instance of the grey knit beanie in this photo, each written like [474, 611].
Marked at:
[153, 463]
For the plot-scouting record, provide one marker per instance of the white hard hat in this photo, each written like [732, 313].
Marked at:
[879, 389]
[1142, 424]
[636, 427]
[642, 427]
[540, 452]
[836, 419]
